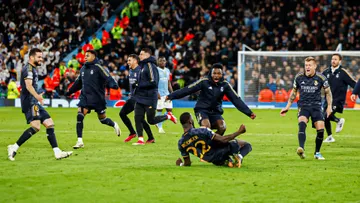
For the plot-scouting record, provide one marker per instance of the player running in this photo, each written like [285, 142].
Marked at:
[92, 81]
[339, 80]
[208, 108]
[209, 146]
[35, 114]
[309, 85]
[133, 63]
[164, 89]
[145, 95]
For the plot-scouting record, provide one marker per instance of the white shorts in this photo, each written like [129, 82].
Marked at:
[162, 104]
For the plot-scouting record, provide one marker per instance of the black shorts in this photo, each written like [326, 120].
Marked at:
[36, 112]
[337, 108]
[315, 113]
[222, 154]
[100, 109]
[204, 114]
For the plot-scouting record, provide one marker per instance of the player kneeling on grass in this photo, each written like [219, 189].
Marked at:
[209, 146]
[309, 85]
[35, 114]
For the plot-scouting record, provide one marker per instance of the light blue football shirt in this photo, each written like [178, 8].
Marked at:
[164, 77]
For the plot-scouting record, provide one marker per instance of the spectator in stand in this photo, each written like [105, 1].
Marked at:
[191, 35]
[96, 43]
[74, 63]
[104, 37]
[80, 57]
[87, 46]
[266, 95]
[13, 92]
[116, 31]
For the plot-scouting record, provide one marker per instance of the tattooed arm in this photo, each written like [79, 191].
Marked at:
[290, 101]
[329, 99]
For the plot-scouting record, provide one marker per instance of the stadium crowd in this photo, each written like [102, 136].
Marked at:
[191, 34]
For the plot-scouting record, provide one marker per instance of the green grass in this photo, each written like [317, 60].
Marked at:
[109, 170]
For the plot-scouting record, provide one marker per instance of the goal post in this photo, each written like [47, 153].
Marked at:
[275, 70]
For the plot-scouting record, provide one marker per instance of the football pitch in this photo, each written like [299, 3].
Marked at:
[109, 170]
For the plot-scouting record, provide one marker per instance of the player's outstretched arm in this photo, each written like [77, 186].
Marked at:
[227, 138]
[75, 87]
[31, 89]
[111, 83]
[349, 80]
[290, 101]
[329, 99]
[238, 102]
[192, 88]
[187, 162]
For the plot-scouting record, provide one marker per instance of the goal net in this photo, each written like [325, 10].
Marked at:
[261, 73]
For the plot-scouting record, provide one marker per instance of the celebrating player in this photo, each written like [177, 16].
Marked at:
[309, 85]
[208, 108]
[209, 146]
[164, 89]
[339, 80]
[35, 114]
[146, 95]
[91, 81]
[128, 107]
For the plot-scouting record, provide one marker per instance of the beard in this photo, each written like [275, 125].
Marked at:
[37, 63]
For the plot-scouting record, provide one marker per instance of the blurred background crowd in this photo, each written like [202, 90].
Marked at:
[190, 34]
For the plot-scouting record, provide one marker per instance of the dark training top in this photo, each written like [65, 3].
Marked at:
[339, 82]
[28, 72]
[133, 75]
[147, 83]
[211, 95]
[92, 81]
[310, 89]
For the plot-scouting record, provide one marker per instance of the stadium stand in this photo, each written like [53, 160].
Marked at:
[191, 35]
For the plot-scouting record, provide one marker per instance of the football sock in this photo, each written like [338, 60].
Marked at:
[334, 118]
[159, 113]
[139, 120]
[246, 149]
[16, 146]
[26, 135]
[141, 138]
[79, 124]
[56, 150]
[302, 135]
[328, 126]
[107, 121]
[51, 136]
[319, 140]
[147, 129]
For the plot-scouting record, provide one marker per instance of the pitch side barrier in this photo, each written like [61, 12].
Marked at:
[72, 103]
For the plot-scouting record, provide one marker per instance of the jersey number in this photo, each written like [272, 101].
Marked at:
[204, 148]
